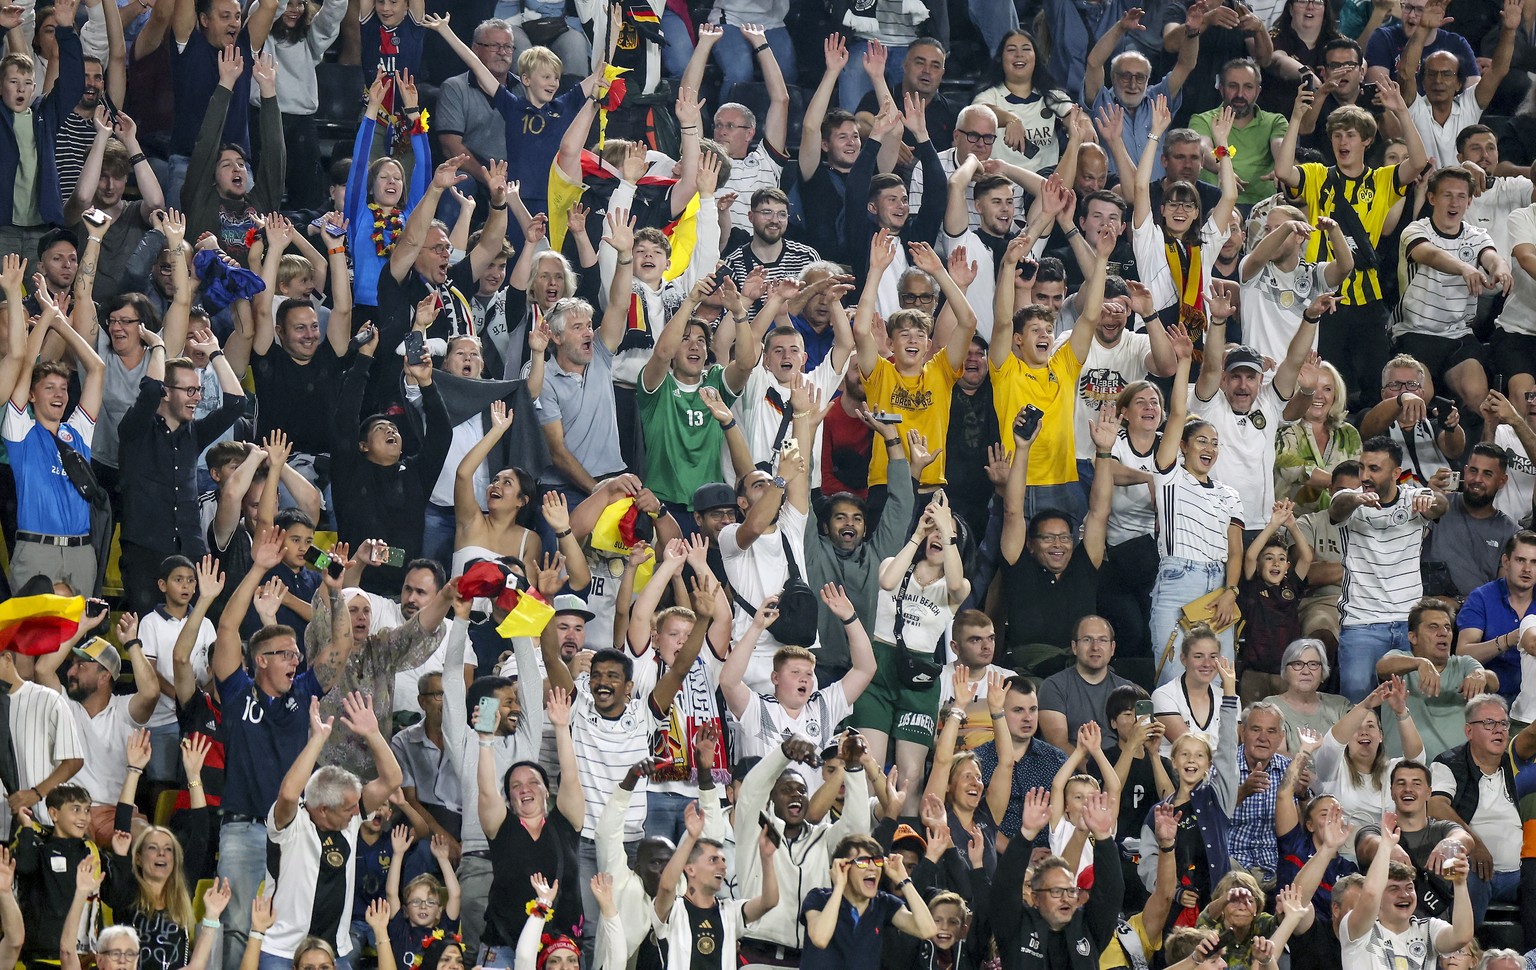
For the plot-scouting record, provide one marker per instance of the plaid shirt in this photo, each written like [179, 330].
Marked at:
[1253, 823]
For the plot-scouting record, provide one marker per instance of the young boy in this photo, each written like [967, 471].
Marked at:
[1069, 790]
[45, 868]
[1279, 286]
[159, 630]
[915, 383]
[1269, 594]
[427, 904]
[302, 582]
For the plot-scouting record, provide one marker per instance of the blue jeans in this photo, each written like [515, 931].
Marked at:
[437, 534]
[1085, 478]
[1178, 582]
[177, 178]
[994, 18]
[498, 957]
[676, 52]
[243, 861]
[854, 83]
[1066, 498]
[739, 65]
[1360, 647]
[1504, 887]
[664, 814]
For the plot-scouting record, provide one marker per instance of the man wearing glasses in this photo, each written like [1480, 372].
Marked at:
[159, 439]
[1469, 781]
[1130, 72]
[1343, 80]
[465, 122]
[1386, 46]
[1449, 104]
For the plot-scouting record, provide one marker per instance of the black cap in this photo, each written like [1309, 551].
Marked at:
[1243, 356]
[56, 236]
[715, 495]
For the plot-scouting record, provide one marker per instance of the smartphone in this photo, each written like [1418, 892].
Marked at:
[885, 418]
[1440, 406]
[1028, 422]
[362, 337]
[94, 216]
[768, 829]
[1368, 92]
[321, 560]
[1143, 710]
[721, 275]
[415, 347]
[1454, 485]
[333, 230]
[487, 713]
[393, 556]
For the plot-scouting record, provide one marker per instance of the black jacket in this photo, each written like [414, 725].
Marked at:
[1024, 937]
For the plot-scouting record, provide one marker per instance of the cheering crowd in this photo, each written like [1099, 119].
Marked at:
[1037, 483]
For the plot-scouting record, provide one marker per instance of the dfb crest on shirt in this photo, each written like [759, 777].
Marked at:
[1258, 419]
[1466, 253]
[1082, 946]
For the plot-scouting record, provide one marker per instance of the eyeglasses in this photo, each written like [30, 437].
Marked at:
[442, 250]
[431, 693]
[1309, 3]
[1058, 892]
[771, 215]
[293, 655]
[499, 48]
[190, 390]
[1343, 65]
[866, 861]
[1129, 78]
[917, 299]
[1403, 386]
[1181, 206]
[1491, 724]
[123, 955]
[1055, 539]
[1095, 639]
[421, 903]
[124, 321]
[1305, 665]
[731, 126]
[976, 137]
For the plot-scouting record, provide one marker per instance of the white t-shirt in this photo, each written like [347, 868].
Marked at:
[756, 573]
[1131, 512]
[981, 292]
[1173, 699]
[1380, 949]
[106, 738]
[1496, 821]
[1514, 499]
[1491, 210]
[1246, 460]
[1105, 374]
[1440, 140]
[1362, 802]
[605, 751]
[761, 407]
[1273, 302]
[158, 631]
[1194, 517]
[947, 681]
[1151, 249]
[764, 722]
[1519, 314]
[1381, 565]
[1435, 302]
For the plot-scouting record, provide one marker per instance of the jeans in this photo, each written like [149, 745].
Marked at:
[664, 814]
[854, 83]
[1085, 477]
[994, 18]
[1066, 498]
[739, 65]
[498, 958]
[678, 49]
[1504, 887]
[1178, 582]
[178, 178]
[1360, 647]
[475, 877]
[243, 861]
[437, 534]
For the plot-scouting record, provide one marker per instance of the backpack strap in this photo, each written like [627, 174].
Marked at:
[789, 555]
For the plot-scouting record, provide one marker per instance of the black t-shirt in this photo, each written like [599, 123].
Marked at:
[972, 430]
[941, 116]
[516, 855]
[818, 221]
[1138, 794]
[294, 396]
[1043, 608]
[708, 936]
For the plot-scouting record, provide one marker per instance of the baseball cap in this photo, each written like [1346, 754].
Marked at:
[906, 833]
[715, 495]
[1243, 356]
[103, 653]
[571, 603]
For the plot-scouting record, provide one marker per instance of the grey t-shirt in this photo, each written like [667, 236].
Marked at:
[583, 404]
[117, 396]
[1066, 692]
[464, 110]
[1435, 894]
[1469, 547]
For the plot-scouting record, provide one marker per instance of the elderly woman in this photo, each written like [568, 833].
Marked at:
[1307, 451]
[1304, 668]
[1237, 911]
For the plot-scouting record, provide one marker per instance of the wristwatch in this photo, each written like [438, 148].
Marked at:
[779, 482]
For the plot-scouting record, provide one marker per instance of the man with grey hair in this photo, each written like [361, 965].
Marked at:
[313, 827]
[1473, 785]
[1501, 959]
[1260, 767]
[975, 134]
[429, 782]
[465, 121]
[1129, 74]
[577, 409]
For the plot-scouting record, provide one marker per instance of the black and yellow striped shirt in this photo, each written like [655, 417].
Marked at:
[1372, 194]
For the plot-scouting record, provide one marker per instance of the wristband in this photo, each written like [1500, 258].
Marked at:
[155, 347]
[415, 110]
[194, 784]
[255, 935]
[626, 262]
[727, 427]
[1074, 231]
[129, 645]
[1154, 138]
[904, 884]
[487, 744]
[1316, 319]
[136, 769]
[136, 159]
[1189, 32]
[689, 128]
[1306, 391]
[562, 535]
[1232, 589]
[851, 620]
[801, 414]
[336, 252]
[1103, 454]
[1225, 151]
[498, 208]
[1167, 848]
[999, 715]
[212, 924]
[759, 48]
[211, 358]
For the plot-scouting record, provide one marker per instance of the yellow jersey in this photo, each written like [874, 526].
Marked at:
[1052, 389]
[1372, 195]
[923, 403]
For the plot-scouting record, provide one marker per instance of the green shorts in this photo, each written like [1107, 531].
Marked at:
[890, 707]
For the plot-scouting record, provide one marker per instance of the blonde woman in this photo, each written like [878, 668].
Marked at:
[1309, 449]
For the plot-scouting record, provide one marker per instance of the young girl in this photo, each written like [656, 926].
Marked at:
[378, 200]
[299, 38]
[429, 906]
[1069, 789]
[1174, 251]
[1269, 595]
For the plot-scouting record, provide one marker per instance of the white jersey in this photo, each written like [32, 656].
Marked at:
[1380, 949]
[1131, 511]
[1193, 516]
[1246, 460]
[1519, 314]
[1381, 562]
[1490, 211]
[1106, 372]
[1435, 302]
[1273, 302]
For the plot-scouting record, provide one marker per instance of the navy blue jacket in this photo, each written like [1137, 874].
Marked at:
[47, 117]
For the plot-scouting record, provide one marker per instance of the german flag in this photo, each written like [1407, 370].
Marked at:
[37, 625]
[645, 18]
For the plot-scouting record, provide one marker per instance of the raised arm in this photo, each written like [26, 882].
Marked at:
[483, 76]
[297, 776]
[1142, 204]
[835, 50]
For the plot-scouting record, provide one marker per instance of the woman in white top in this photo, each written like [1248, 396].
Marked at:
[1130, 561]
[1199, 530]
[1193, 702]
[1030, 109]
[1352, 763]
[1176, 251]
[502, 528]
[925, 581]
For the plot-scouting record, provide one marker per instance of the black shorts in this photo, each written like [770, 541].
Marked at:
[1515, 353]
[1440, 354]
